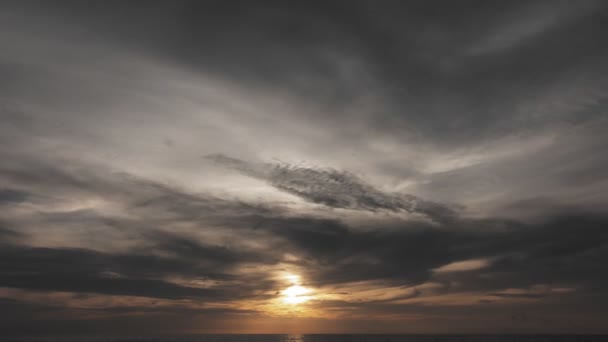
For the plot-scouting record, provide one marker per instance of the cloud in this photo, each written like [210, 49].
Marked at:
[8, 196]
[496, 107]
[461, 266]
[334, 188]
[143, 275]
[170, 232]
[224, 251]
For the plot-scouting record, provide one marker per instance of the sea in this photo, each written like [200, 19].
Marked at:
[315, 338]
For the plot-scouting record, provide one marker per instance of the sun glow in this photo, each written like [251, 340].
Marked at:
[296, 293]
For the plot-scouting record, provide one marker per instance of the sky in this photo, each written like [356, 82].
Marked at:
[303, 167]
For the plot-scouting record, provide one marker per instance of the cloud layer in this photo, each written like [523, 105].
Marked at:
[420, 166]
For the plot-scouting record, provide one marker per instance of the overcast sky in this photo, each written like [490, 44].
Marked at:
[401, 166]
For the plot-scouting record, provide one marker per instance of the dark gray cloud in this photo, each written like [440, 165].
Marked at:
[86, 271]
[566, 250]
[12, 196]
[333, 188]
[435, 70]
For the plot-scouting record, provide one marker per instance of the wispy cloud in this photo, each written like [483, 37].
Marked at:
[333, 188]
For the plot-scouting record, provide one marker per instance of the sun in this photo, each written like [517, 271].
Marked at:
[296, 293]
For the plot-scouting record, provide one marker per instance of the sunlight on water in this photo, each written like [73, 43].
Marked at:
[292, 338]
